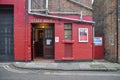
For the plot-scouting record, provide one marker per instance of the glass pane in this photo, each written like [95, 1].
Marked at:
[48, 33]
[45, 33]
[68, 26]
[67, 32]
[67, 37]
[51, 34]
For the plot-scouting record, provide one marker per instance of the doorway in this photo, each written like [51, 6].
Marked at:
[43, 41]
[6, 33]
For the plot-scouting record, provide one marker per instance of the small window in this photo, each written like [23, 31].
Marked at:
[68, 31]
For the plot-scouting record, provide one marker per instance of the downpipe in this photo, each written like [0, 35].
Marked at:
[26, 31]
[117, 30]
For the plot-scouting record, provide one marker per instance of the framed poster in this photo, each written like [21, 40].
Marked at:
[83, 34]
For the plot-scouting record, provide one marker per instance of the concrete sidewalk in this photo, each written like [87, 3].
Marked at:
[69, 66]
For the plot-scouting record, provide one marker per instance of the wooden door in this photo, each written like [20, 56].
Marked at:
[49, 42]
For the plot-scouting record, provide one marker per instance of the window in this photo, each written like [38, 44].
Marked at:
[68, 31]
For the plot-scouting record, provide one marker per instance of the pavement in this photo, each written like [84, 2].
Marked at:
[96, 65]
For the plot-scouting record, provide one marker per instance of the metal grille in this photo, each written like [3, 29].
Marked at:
[6, 33]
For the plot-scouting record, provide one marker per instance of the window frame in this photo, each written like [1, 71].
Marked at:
[69, 29]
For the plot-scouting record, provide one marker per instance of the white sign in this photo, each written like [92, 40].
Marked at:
[56, 39]
[98, 41]
[48, 41]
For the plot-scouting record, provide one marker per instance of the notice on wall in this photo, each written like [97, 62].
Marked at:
[56, 39]
[48, 42]
[98, 41]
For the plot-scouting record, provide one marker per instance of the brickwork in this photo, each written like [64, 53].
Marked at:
[105, 17]
[64, 6]
[119, 29]
[98, 17]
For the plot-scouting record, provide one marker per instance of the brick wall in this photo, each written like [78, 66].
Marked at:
[63, 6]
[105, 17]
[110, 30]
[119, 30]
[98, 17]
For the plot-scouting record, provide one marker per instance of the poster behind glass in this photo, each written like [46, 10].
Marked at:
[83, 34]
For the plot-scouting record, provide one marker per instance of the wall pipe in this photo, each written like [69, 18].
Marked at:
[26, 31]
[93, 45]
[81, 4]
[43, 10]
[46, 4]
[29, 6]
[46, 7]
[38, 10]
[81, 16]
[117, 30]
[59, 17]
[64, 13]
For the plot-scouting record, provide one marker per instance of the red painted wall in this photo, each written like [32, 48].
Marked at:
[99, 50]
[19, 28]
[22, 34]
[81, 50]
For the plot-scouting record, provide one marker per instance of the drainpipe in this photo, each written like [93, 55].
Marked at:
[59, 17]
[46, 7]
[38, 10]
[77, 13]
[93, 45]
[117, 30]
[26, 31]
[29, 5]
[81, 4]
[81, 16]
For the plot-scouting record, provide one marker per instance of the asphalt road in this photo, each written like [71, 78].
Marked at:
[11, 73]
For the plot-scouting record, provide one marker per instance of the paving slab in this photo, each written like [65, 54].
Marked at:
[68, 66]
[82, 66]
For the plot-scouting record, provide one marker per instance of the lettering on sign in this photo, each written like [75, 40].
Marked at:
[42, 20]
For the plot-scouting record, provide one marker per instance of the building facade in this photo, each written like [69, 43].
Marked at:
[55, 29]
[106, 19]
